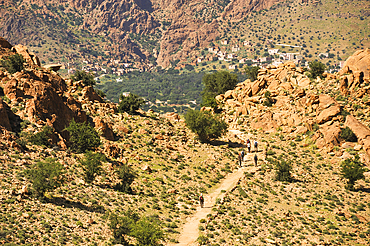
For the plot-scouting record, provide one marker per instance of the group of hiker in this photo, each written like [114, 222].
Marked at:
[240, 160]
[242, 154]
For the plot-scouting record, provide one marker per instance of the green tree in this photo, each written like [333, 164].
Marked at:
[251, 72]
[83, 136]
[316, 69]
[92, 165]
[268, 101]
[87, 78]
[352, 170]
[13, 63]
[147, 232]
[283, 170]
[348, 135]
[121, 226]
[42, 137]
[130, 104]
[126, 175]
[217, 83]
[45, 176]
[205, 125]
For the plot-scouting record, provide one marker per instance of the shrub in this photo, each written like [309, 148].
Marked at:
[130, 104]
[252, 72]
[352, 170]
[87, 78]
[92, 165]
[268, 101]
[45, 176]
[215, 84]
[348, 135]
[147, 232]
[13, 63]
[83, 136]
[205, 125]
[127, 175]
[283, 170]
[121, 226]
[42, 137]
[316, 69]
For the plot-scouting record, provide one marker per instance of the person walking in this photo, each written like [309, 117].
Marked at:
[241, 158]
[255, 160]
[256, 145]
[201, 200]
[249, 146]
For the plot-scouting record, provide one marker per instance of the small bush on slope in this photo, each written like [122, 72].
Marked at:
[45, 176]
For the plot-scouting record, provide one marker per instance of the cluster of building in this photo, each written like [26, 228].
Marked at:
[116, 67]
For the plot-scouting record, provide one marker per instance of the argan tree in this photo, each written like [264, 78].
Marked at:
[13, 63]
[352, 170]
[86, 78]
[130, 104]
[316, 69]
[83, 137]
[205, 125]
[217, 83]
[92, 165]
[45, 176]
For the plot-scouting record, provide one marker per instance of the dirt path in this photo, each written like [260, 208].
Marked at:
[190, 231]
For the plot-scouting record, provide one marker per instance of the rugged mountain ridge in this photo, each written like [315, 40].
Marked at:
[173, 28]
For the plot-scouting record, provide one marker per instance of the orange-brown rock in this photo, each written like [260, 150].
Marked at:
[112, 150]
[4, 43]
[328, 114]
[30, 57]
[104, 128]
[89, 94]
[331, 135]
[4, 119]
[358, 64]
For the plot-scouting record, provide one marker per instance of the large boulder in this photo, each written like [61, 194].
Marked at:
[4, 119]
[89, 94]
[29, 56]
[104, 128]
[4, 43]
[358, 63]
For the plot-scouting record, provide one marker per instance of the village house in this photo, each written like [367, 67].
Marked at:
[273, 51]
[200, 59]
[235, 48]
[232, 67]
[231, 56]
[247, 43]
[224, 42]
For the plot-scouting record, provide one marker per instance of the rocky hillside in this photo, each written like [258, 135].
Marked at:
[302, 125]
[285, 99]
[172, 167]
[148, 33]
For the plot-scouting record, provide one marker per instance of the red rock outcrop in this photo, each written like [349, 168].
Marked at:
[88, 93]
[4, 119]
[104, 128]
[355, 71]
[361, 131]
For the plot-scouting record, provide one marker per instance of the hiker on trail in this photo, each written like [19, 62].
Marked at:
[255, 160]
[249, 145]
[256, 145]
[241, 158]
[267, 149]
[201, 200]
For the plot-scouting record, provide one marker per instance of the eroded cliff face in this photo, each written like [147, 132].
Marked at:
[174, 27]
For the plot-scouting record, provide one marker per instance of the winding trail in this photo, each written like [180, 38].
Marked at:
[190, 231]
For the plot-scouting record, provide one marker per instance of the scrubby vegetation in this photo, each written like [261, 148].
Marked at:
[86, 78]
[83, 136]
[205, 125]
[13, 63]
[130, 103]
